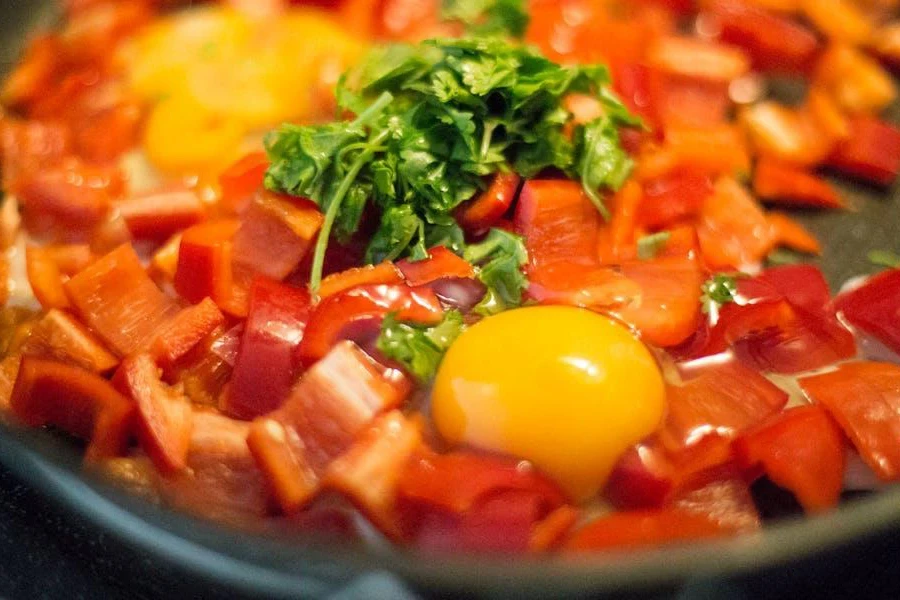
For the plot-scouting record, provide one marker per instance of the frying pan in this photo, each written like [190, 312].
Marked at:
[278, 566]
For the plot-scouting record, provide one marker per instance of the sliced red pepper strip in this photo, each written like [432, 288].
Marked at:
[157, 215]
[241, 180]
[875, 307]
[483, 212]
[77, 401]
[59, 336]
[864, 398]
[204, 262]
[440, 263]
[117, 299]
[185, 331]
[382, 273]
[45, 278]
[276, 233]
[334, 402]
[801, 450]
[793, 186]
[332, 316]
[163, 413]
[369, 472]
[550, 532]
[265, 367]
[787, 232]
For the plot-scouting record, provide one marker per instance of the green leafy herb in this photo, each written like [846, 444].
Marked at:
[720, 289]
[650, 245]
[499, 259]
[884, 258]
[434, 121]
[419, 349]
[488, 17]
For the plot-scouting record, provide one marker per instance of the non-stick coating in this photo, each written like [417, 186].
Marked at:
[273, 566]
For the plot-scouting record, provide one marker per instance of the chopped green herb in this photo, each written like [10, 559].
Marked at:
[419, 349]
[434, 121]
[650, 245]
[488, 17]
[718, 290]
[884, 258]
[499, 260]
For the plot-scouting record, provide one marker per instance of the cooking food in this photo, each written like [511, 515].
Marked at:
[496, 276]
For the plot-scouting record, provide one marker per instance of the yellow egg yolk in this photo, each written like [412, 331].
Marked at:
[565, 388]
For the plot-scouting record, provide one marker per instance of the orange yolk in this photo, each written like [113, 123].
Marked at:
[565, 388]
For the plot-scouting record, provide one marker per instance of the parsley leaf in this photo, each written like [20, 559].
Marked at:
[499, 259]
[419, 349]
[435, 120]
[720, 289]
[649, 245]
[488, 17]
[884, 258]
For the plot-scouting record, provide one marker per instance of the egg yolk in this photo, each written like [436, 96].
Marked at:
[565, 388]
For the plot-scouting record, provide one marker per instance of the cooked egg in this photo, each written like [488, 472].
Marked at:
[564, 388]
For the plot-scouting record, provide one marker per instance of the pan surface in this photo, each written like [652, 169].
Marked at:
[273, 566]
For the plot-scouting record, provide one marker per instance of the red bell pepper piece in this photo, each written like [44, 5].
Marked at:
[440, 263]
[369, 472]
[184, 332]
[636, 529]
[616, 239]
[241, 180]
[264, 368]
[483, 212]
[801, 450]
[203, 373]
[697, 59]
[222, 481]
[558, 222]
[77, 401]
[871, 151]
[9, 370]
[673, 198]
[34, 72]
[716, 149]
[275, 234]
[164, 262]
[59, 336]
[163, 413]
[331, 318]
[382, 273]
[724, 400]
[863, 398]
[335, 401]
[733, 229]
[547, 534]
[116, 298]
[30, 146]
[793, 186]
[204, 262]
[160, 214]
[45, 278]
[875, 307]
[682, 101]
[721, 494]
[787, 232]
[775, 43]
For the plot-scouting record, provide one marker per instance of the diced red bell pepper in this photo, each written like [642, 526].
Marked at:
[547, 534]
[29, 146]
[163, 413]
[336, 399]
[697, 59]
[45, 279]
[871, 151]
[558, 222]
[164, 262]
[793, 186]
[864, 398]
[616, 239]
[875, 307]
[717, 150]
[856, 81]
[9, 370]
[158, 215]
[790, 135]
[673, 198]
[724, 400]
[116, 298]
[275, 234]
[34, 72]
[721, 494]
[774, 42]
[636, 529]
[483, 212]
[70, 258]
[204, 262]
[369, 472]
[332, 317]
[801, 450]
[184, 332]
[682, 101]
[733, 229]
[598, 288]
[77, 401]
[265, 366]
[203, 373]
[791, 234]
[241, 180]
[803, 286]
[222, 481]
[440, 263]
[104, 133]
[383, 273]
[59, 336]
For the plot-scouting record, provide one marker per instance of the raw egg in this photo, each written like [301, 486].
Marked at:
[564, 388]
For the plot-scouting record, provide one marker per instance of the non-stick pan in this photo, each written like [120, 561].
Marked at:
[787, 557]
